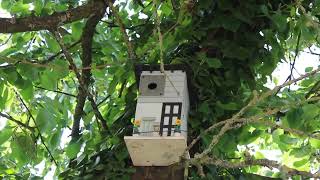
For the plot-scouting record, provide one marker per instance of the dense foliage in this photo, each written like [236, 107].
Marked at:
[49, 67]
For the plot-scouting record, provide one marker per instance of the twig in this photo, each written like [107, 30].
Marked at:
[81, 97]
[17, 122]
[125, 36]
[111, 25]
[36, 126]
[103, 100]
[294, 60]
[250, 161]
[5, 42]
[51, 58]
[31, 41]
[252, 102]
[56, 91]
[123, 85]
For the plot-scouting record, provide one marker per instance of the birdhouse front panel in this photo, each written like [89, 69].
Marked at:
[160, 134]
[162, 98]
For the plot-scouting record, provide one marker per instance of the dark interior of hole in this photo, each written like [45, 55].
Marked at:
[152, 85]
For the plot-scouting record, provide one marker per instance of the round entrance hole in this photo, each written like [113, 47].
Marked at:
[152, 85]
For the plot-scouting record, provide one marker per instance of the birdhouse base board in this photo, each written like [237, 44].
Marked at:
[155, 151]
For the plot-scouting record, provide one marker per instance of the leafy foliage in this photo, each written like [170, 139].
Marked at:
[232, 47]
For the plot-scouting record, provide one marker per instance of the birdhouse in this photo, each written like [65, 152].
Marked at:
[160, 127]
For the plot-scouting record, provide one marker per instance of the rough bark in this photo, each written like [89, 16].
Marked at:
[158, 173]
[34, 23]
[86, 44]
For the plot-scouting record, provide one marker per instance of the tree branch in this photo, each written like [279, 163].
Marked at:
[17, 121]
[87, 39]
[131, 53]
[250, 161]
[237, 117]
[32, 23]
[85, 76]
[68, 94]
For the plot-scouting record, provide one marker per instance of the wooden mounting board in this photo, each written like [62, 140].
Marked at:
[155, 151]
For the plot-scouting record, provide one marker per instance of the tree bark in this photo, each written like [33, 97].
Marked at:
[158, 173]
[34, 23]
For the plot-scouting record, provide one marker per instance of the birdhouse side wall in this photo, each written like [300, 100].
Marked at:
[185, 111]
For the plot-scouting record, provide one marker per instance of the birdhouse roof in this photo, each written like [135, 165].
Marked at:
[139, 68]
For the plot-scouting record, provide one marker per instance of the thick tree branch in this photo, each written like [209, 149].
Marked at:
[32, 23]
[85, 76]
[86, 44]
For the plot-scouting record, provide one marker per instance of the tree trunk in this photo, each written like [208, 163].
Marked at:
[158, 173]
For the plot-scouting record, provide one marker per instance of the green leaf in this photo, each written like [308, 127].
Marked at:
[300, 163]
[38, 5]
[310, 111]
[22, 148]
[288, 139]
[204, 107]
[280, 21]
[300, 152]
[45, 121]
[214, 62]
[19, 7]
[77, 30]
[61, 69]
[229, 106]
[308, 69]
[52, 44]
[27, 91]
[315, 143]
[6, 4]
[48, 80]
[55, 139]
[5, 134]
[294, 118]
[73, 149]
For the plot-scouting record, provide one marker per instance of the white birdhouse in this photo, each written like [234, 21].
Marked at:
[160, 131]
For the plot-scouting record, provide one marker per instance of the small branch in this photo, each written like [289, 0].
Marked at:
[81, 97]
[6, 41]
[51, 58]
[228, 123]
[97, 113]
[250, 161]
[312, 52]
[111, 25]
[103, 100]
[125, 36]
[60, 92]
[17, 122]
[40, 135]
[315, 88]
[123, 85]
[30, 42]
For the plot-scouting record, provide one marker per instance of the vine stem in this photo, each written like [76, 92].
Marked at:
[160, 37]
[131, 53]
